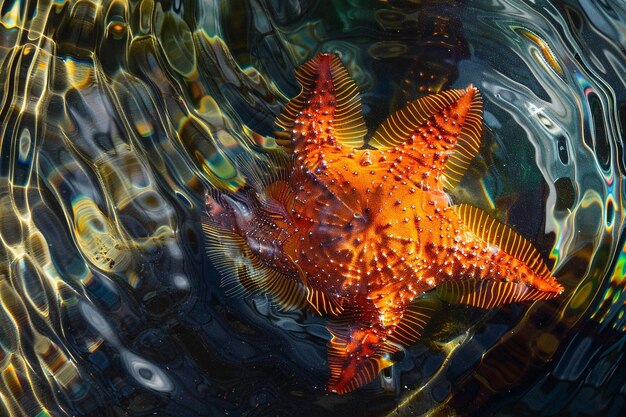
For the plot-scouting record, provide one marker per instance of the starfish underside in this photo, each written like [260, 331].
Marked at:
[360, 233]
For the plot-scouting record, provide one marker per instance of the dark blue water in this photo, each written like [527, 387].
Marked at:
[119, 116]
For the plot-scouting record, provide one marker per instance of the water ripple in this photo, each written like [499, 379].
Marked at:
[118, 116]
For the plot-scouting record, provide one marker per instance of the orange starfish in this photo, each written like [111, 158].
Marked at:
[359, 233]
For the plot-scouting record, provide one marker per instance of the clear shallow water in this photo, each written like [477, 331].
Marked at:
[118, 116]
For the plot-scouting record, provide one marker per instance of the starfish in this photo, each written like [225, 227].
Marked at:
[359, 232]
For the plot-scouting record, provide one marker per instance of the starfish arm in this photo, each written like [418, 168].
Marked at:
[356, 357]
[327, 115]
[488, 264]
[358, 351]
[440, 133]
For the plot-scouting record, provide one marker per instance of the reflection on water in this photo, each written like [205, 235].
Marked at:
[117, 117]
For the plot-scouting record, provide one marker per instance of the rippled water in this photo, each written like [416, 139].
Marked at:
[118, 116]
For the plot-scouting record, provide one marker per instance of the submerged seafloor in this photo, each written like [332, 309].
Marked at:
[117, 117]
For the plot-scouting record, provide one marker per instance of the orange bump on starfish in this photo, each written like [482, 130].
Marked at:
[359, 232]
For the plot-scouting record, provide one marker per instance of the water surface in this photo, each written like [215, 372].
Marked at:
[118, 116]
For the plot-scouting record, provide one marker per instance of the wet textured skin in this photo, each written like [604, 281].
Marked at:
[372, 229]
